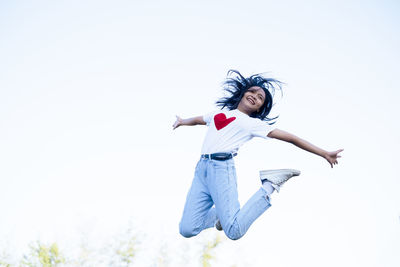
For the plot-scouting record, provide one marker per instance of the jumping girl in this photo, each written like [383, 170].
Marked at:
[243, 115]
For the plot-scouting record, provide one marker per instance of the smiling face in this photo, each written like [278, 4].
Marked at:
[252, 100]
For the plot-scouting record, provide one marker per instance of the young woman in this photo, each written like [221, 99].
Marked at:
[243, 116]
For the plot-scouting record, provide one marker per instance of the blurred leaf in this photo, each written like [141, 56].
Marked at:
[41, 255]
[208, 250]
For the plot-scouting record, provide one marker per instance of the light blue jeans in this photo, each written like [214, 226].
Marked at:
[214, 183]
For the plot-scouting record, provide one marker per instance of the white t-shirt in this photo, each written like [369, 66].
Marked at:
[228, 130]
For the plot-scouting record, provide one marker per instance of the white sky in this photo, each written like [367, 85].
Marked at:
[89, 91]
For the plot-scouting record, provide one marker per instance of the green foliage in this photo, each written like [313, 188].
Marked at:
[41, 255]
[4, 263]
[208, 250]
[122, 251]
[126, 251]
[5, 259]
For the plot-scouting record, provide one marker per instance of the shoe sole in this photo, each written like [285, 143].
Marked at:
[265, 173]
[268, 172]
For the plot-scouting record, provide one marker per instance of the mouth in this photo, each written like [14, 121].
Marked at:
[251, 100]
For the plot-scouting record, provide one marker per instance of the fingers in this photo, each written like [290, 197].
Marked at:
[176, 124]
[333, 162]
[333, 157]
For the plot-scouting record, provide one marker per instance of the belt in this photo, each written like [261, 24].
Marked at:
[219, 156]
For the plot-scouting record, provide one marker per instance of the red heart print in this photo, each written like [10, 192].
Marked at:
[221, 121]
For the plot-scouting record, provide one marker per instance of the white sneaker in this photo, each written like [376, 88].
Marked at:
[278, 177]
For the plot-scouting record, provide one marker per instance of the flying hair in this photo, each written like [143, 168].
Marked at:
[236, 85]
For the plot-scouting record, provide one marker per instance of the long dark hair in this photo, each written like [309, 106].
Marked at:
[236, 85]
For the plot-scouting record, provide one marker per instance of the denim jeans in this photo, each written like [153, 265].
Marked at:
[214, 183]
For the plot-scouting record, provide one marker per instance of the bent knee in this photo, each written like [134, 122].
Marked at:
[187, 231]
[234, 236]
[234, 232]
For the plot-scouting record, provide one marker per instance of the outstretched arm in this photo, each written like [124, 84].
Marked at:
[190, 121]
[331, 157]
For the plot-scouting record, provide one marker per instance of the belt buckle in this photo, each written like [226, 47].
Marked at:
[206, 156]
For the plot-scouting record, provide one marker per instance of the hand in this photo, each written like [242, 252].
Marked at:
[332, 157]
[177, 123]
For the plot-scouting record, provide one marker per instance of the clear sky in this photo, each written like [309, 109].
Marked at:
[89, 91]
